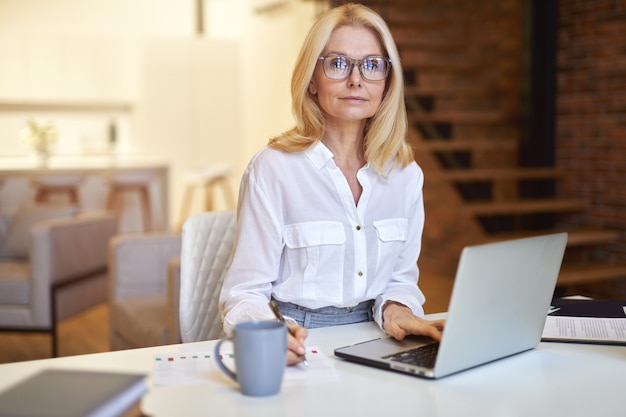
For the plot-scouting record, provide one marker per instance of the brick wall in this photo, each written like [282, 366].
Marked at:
[591, 113]
[590, 104]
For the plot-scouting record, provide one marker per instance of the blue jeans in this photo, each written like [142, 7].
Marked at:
[327, 316]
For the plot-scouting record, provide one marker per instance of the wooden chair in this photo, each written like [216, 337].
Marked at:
[208, 180]
[57, 185]
[122, 184]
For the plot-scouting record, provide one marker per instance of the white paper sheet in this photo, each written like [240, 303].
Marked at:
[185, 368]
[585, 329]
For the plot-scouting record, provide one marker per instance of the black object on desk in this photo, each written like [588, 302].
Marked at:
[587, 308]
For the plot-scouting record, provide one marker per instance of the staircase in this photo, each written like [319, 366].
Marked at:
[463, 81]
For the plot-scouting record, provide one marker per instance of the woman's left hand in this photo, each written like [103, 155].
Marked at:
[399, 321]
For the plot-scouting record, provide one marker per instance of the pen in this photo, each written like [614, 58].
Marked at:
[280, 318]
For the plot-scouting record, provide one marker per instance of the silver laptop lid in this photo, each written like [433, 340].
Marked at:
[500, 300]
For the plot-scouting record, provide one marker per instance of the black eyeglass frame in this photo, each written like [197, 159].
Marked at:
[353, 62]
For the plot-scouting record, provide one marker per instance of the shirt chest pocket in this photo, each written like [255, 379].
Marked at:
[392, 235]
[314, 260]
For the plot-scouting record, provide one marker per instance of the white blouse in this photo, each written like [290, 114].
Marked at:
[302, 239]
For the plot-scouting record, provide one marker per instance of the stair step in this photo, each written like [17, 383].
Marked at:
[529, 206]
[398, 16]
[585, 274]
[443, 91]
[517, 173]
[407, 41]
[579, 237]
[592, 237]
[448, 63]
[458, 145]
[466, 117]
[441, 38]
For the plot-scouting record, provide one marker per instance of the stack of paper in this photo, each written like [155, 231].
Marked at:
[586, 321]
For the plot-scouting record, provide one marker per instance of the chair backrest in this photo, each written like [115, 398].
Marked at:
[207, 242]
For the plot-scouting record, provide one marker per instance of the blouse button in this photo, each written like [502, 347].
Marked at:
[358, 228]
[360, 273]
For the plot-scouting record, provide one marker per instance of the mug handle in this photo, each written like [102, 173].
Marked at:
[220, 364]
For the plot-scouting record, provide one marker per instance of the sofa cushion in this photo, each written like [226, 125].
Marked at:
[17, 239]
[14, 282]
[140, 320]
[5, 221]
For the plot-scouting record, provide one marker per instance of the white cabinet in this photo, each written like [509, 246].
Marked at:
[42, 76]
[81, 72]
[12, 66]
[188, 105]
[64, 67]
[97, 67]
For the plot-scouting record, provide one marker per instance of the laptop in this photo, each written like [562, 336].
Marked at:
[499, 304]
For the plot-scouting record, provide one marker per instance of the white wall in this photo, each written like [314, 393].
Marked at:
[134, 18]
[270, 33]
[230, 102]
[187, 105]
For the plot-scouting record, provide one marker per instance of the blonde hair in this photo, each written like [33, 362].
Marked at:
[385, 132]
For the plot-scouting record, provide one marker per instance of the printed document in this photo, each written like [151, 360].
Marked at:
[585, 330]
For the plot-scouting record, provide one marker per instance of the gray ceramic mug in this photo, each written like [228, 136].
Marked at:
[260, 349]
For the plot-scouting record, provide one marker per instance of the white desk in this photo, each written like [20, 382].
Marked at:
[553, 380]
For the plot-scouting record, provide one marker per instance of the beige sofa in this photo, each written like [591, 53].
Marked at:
[51, 267]
[144, 274]
[164, 287]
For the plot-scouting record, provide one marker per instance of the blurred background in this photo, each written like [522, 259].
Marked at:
[517, 115]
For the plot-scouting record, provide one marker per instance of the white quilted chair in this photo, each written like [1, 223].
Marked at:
[207, 242]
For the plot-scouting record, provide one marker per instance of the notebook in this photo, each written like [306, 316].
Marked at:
[73, 393]
[499, 304]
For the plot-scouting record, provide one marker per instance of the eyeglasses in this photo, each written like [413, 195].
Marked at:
[339, 67]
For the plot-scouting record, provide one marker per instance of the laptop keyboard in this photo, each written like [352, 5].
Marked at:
[423, 356]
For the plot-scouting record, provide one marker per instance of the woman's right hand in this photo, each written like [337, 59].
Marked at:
[295, 344]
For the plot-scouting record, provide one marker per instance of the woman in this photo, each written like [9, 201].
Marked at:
[330, 213]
